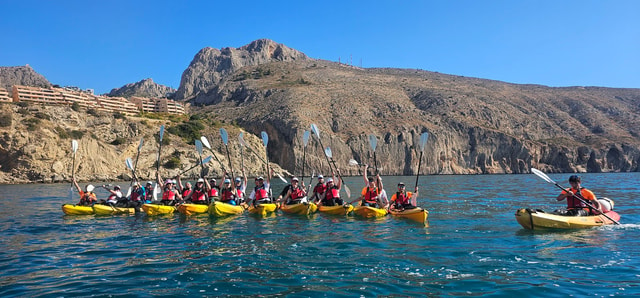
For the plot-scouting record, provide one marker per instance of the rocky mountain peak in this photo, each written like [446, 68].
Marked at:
[144, 88]
[210, 66]
[21, 75]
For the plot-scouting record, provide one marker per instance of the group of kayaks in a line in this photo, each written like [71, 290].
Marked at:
[230, 198]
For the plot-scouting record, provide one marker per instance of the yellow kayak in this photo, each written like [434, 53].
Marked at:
[368, 212]
[220, 209]
[100, 209]
[336, 210]
[157, 209]
[262, 209]
[417, 214]
[538, 219]
[192, 209]
[71, 209]
[300, 208]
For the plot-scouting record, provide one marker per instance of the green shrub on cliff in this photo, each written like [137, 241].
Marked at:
[189, 131]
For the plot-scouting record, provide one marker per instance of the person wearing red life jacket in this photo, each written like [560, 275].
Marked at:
[137, 197]
[170, 195]
[575, 207]
[403, 199]
[296, 193]
[319, 190]
[198, 195]
[260, 193]
[115, 198]
[241, 187]
[184, 190]
[228, 193]
[332, 194]
[87, 197]
[213, 190]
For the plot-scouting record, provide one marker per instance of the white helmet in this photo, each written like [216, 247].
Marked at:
[90, 188]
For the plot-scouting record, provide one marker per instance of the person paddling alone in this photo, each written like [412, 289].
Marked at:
[403, 199]
[575, 207]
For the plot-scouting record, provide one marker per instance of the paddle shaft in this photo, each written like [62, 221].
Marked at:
[304, 155]
[73, 168]
[158, 159]
[584, 201]
[341, 180]
[229, 158]
[418, 173]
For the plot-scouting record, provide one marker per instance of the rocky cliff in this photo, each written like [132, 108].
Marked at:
[476, 125]
[210, 65]
[21, 75]
[35, 145]
[144, 88]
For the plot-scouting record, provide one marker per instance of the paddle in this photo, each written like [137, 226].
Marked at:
[577, 196]
[423, 141]
[315, 131]
[305, 141]
[74, 148]
[329, 154]
[133, 173]
[265, 142]
[201, 163]
[156, 189]
[204, 141]
[199, 149]
[225, 140]
[243, 143]
[373, 142]
[241, 151]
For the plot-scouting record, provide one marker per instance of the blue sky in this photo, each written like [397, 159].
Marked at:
[107, 44]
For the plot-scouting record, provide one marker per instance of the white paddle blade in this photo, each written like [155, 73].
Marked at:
[141, 142]
[327, 152]
[315, 130]
[156, 191]
[241, 139]
[353, 162]
[265, 138]
[161, 132]
[347, 190]
[74, 146]
[373, 141]
[423, 140]
[128, 192]
[542, 175]
[224, 135]
[282, 178]
[205, 142]
[199, 147]
[305, 138]
[128, 163]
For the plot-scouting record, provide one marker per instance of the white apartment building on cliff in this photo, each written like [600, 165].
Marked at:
[68, 96]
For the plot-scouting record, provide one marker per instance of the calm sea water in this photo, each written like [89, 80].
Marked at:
[472, 247]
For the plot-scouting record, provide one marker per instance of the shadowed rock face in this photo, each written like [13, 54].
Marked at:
[21, 75]
[210, 65]
[476, 125]
[144, 88]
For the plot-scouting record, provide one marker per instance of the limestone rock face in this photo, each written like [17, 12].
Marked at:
[144, 88]
[21, 75]
[210, 65]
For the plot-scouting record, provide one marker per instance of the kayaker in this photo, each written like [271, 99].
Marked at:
[296, 193]
[199, 193]
[148, 189]
[403, 199]
[241, 187]
[332, 195]
[369, 195]
[138, 193]
[228, 193]
[284, 192]
[170, 195]
[87, 197]
[260, 193]
[186, 189]
[115, 197]
[319, 190]
[575, 207]
[213, 190]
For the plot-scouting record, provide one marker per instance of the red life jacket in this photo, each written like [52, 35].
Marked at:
[239, 192]
[168, 195]
[402, 198]
[135, 196]
[261, 192]
[573, 202]
[186, 192]
[333, 193]
[297, 193]
[198, 196]
[213, 192]
[370, 195]
[227, 195]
